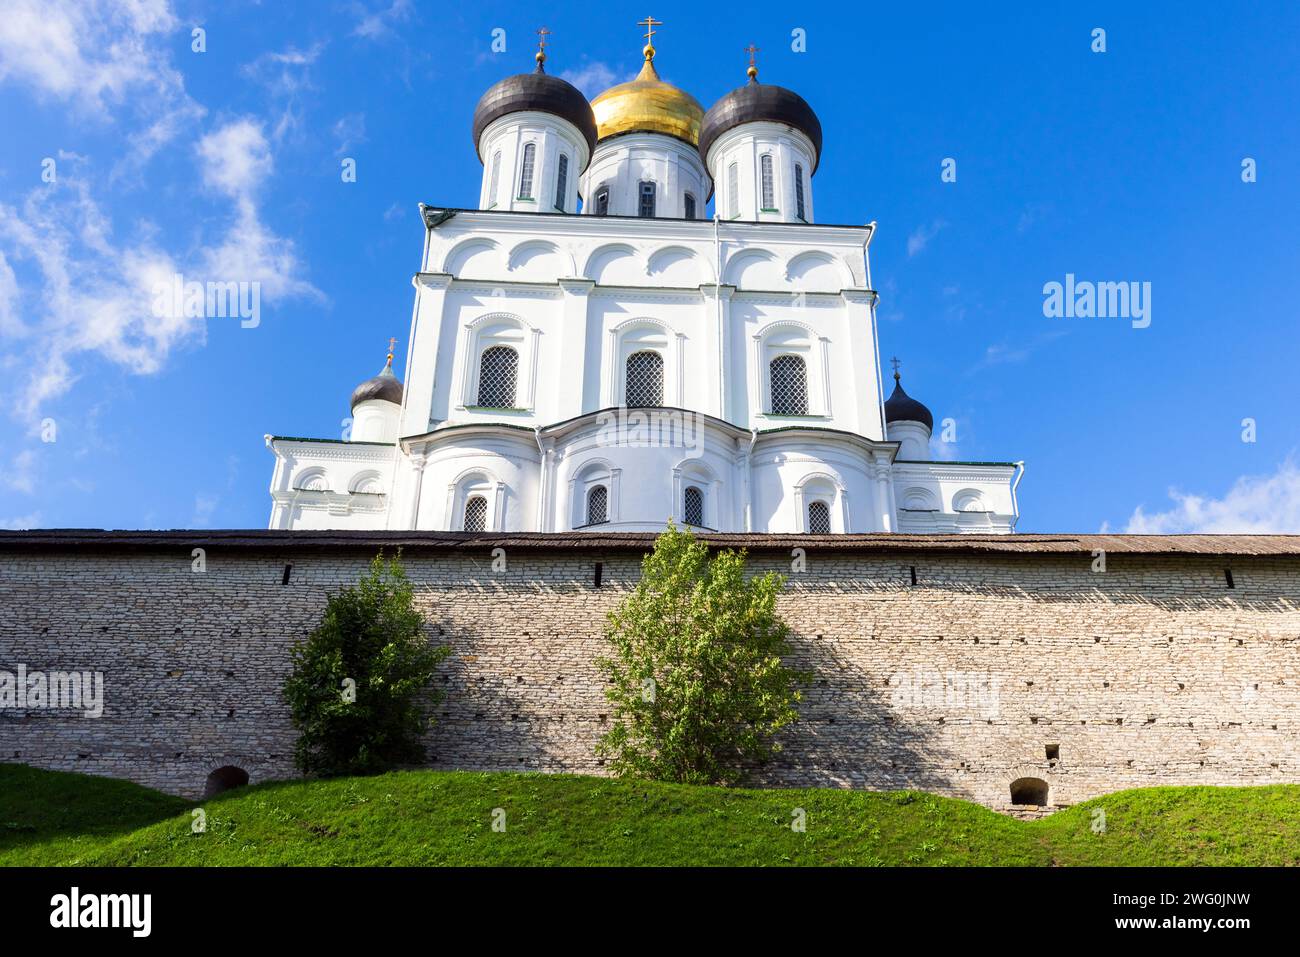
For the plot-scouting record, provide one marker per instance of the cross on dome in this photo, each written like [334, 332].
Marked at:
[649, 23]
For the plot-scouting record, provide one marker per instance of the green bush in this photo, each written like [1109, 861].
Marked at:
[371, 634]
[696, 675]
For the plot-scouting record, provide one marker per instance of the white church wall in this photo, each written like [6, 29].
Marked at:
[744, 146]
[319, 483]
[551, 138]
[622, 163]
[501, 468]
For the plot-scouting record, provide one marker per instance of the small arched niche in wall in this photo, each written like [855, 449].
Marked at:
[1029, 792]
[223, 779]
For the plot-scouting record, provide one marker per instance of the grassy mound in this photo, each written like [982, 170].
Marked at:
[446, 818]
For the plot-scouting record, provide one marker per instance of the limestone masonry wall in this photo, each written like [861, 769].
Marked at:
[1152, 672]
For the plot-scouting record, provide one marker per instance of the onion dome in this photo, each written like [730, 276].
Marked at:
[901, 407]
[760, 102]
[648, 105]
[539, 92]
[385, 386]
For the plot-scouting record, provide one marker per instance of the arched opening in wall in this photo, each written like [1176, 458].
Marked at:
[644, 386]
[223, 779]
[498, 371]
[1029, 792]
[693, 506]
[476, 509]
[788, 385]
[598, 505]
[819, 518]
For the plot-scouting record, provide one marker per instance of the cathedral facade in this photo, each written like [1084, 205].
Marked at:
[589, 351]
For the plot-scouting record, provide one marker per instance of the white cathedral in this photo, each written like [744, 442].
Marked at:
[589, 352]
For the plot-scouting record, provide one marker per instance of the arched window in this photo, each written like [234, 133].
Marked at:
[1029, 791]
[496, 378]
[765, 176]
[788, 381]
[476, 514]
[693, 506]
[645, 380]
[689, 204]
[598, 505]
[733, 190]
[602, 201]
[798, 192]
[495, 182]
[819, 518]
[646, 208]
[526, 171]
[561, 182]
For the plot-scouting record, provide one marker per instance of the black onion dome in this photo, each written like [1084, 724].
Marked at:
[540, 92]
[901, 407]
[383, 386]
[755, 102]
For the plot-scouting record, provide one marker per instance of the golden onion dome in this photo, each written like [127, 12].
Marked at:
[648, 105]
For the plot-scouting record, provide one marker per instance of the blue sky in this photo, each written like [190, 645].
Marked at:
[1117, 166]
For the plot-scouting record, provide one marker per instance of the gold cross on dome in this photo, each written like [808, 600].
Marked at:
[542, 34]
[895, 363]
[751, 50]
[650, 23]
[392, 342]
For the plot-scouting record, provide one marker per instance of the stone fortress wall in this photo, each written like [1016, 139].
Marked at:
[1002, 663]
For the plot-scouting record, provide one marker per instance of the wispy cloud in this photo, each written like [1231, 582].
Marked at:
[921, 236]
[380, 22]
[285, 75]
[1256, 504]
[593, 78]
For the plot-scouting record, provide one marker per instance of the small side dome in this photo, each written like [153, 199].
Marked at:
[901, 407]
[385, 386]
[758, 102]
[539, 92]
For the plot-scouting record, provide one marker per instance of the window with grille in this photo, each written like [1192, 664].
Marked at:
[561, 182]
[602, 201]
[765, 173]
[733, 190]
[788, 380]
[798, 192]
[476, 514]
[496, 378]
[819, 518]
[526, 171]
[598, 505]
[496, 179]
[690, 206]
[645, 380]
[646, 209]
[693, 506]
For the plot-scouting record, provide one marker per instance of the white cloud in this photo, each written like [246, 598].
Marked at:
[236, 158]
[593, 78]
[349, 131]
[922, 235]
[89, 293]
[375, 24]
[101, 57]
[286, 75]
[1256, 504]
[21, 522]
[20, 474]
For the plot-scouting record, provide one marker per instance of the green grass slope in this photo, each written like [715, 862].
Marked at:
[446, 818]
